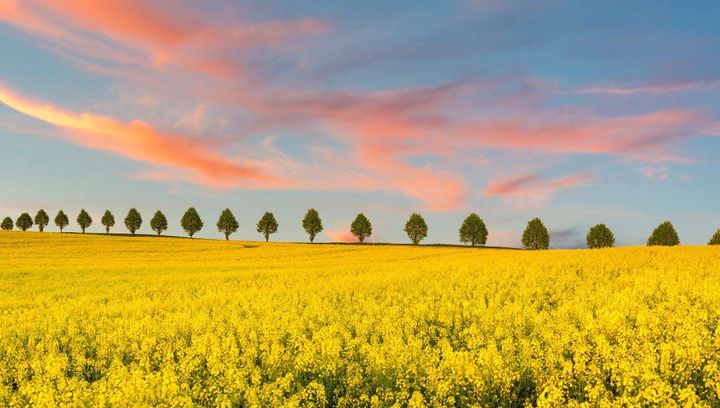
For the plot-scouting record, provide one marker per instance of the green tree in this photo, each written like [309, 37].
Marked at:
[227, 224]
[312, 223]
[600, 236]
[715, 240]
[24, 222]
[536, 236]
[416, 228]
[473, 230]
[267, 225]
[191, 222]
[42, 220]
[61, 220]
[84, 220]
[159, 222]
[108, 220]
[7, 224]
[664, 235]
[133, 221]
[361, 227]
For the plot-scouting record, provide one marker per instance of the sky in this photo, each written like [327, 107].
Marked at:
[577, 112]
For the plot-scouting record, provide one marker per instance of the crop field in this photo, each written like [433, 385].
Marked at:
[128, 321]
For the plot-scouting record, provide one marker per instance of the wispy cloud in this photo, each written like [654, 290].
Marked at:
[532, 186]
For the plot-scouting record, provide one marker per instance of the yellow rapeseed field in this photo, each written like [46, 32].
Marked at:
[122, 321]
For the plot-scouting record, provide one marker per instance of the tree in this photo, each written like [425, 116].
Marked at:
[473, 230]
[312, 223]
[600, 236]
[61, 220]
[159, 223]
[715, 240]
[664, 235]
[84, 220]
[42, 220]
[416, 228]
[267, 225]
[108, 220]
[7, 224]
[133, 220]
[24, 222]
[536, 236]
[191, 222]
[227, 224]
[361, 228]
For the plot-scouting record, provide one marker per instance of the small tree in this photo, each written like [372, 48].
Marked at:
[108, 220]
[267, 225]
[361, 228]
[664, 235]
[227, 224]
[416, 228]
[42, 220]
[7, 224]
[84, 220]
[159, 223]
[536, 236]
[24, 222]
[133, 221]
[191, 222]
[600, 236]
[61, 220]
[715, 240]
[473, 230]
[312, 223]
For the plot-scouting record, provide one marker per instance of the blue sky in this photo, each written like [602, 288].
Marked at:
[576, 112]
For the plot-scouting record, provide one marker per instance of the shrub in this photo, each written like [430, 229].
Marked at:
[159, 223]
[600, 236]
[61, 220]
[42, 220]
[416, 228]
[536, 236]
[664, 235]
[191, 222]
[108, 220]
[84, 220]
[473, 230]
[361, 228]
[312, 224]
[133, 221]
[267, 225]
[227, 224]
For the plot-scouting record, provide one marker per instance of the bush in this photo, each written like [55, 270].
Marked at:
[84, 220]
[416, 228]
[536, 236]
[159, 223]
[312, 224]
[42, 220]
[473, 230]
[267, 225]
[7, 224]
[715, 240]
[664, 235]
[600, 236]
[361, 228]
[191, 222]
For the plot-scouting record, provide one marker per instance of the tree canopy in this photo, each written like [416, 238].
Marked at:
[191, 222]
[133, 221]
[600, 236]
[715, 240]
[312, 224]
[664, 235]
[361, 228]
[536, 236]
[84, 220]
[42, 220]
[227, 224]
[108, 220]
[61, 220]
[7, 224]
[159, 222]
[416, 228]
[473, 230]
[267, 225]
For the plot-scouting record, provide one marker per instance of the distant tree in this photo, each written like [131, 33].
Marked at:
[361, 228]
[24, 222]
[61, 220]
[600, 236]
[312, 223]
[42, 220]
[108, 220]
[715, 240]
[416, 228]
[84, 220]
[133, 221]
[267, 225]
[536, 236]
[664, 235]
[473, 230]
[7, 224]
[227, 224]
[159, 223]
[191, 222]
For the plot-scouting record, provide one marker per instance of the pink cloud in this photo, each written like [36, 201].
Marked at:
[531, 185]
[340, 236]
[658, 172]
[651, 89]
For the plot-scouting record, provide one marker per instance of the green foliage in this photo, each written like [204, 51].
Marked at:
[715, 240]
[61, 220]
[312, 224]
[664, 235]
[42, 220]
[191, 222]
[108, 220]
[416, 228]
[227, 224]
[600, 236]
[159, 223]
[536, 236]
[133, 221]
[473, 230]
[84, 220]
[267, 225]
[7, 224]
[361, 228]
[24, 222]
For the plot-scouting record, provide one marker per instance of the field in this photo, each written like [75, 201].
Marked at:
[122, 321]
